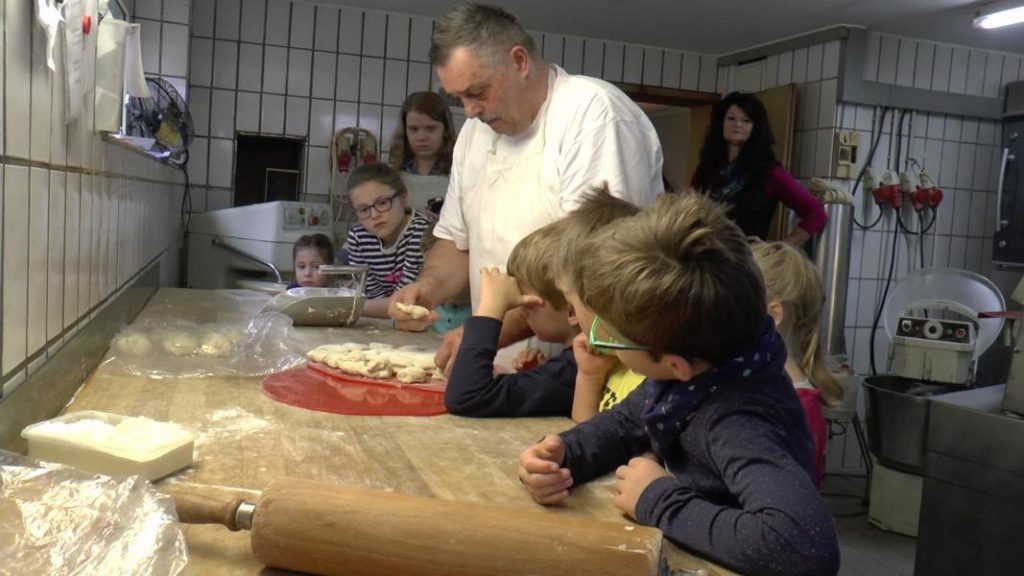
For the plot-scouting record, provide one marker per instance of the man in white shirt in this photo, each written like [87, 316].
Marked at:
[535, 140]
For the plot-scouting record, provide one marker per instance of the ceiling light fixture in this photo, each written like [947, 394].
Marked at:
[999, 14]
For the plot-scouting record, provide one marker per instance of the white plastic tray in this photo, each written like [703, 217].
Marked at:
[167, 449]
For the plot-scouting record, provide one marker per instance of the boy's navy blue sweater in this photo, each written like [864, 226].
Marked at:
[474, 390]
[742, 491]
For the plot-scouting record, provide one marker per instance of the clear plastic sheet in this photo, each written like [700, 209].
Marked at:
[181, 349]
[57, 521]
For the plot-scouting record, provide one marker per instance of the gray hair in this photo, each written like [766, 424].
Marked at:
[487, 31]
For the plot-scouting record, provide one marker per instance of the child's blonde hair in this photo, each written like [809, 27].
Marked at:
[597, 209]
[791, 279]
[532, 259]
[677, 277]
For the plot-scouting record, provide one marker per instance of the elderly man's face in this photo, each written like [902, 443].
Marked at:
[493, 93]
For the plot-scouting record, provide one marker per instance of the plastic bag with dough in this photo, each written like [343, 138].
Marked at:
[133, 344]
[417, 312]
[216, 344]
[411, 374]
[180, 343]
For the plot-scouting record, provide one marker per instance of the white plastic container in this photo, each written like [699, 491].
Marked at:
[112, 444]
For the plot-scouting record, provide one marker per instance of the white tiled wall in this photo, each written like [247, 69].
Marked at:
[165, 38]
[80, 216]
[941, 67]
[307, 70]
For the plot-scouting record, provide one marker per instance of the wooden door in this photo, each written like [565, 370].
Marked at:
[780, 103]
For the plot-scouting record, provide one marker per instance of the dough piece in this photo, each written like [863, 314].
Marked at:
[417, 312]
[437, 374]
[180, 343]
[348, 346]
[353, 355]
[351, 367]
[380, 346]
[318, 354]
[216, 344]
[382, 374]
[401, 360]
[133, 344]
[412, 374]
[377, 365]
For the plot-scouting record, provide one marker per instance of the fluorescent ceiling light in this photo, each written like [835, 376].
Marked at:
[999, 15]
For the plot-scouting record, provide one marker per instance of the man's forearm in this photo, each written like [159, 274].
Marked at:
[446, 272]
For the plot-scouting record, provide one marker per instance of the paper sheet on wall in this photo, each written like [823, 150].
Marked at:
[89, 42]
[110, 60]
[49, 18]
[73, 10]
[134, 76]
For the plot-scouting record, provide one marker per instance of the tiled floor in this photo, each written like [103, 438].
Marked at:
[866, 550]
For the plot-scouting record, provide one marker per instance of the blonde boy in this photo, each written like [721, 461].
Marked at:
[473, 388]
[678, 298]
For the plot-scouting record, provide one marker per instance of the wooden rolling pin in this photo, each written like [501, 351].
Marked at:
[337, 530]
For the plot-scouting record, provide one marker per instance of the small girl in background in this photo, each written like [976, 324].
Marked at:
[308, 254]
[387, 236]
[795, 298]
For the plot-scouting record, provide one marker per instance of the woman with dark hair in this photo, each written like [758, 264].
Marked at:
[738, 167]
[425, 137]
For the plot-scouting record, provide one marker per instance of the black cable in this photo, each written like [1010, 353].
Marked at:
[885, 295]
[863, 169]
[185, 211]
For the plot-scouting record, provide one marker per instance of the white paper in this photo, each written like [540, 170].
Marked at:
[73, 10]
[49, 18]
[89, 42]
[134, 77]
[110, 60]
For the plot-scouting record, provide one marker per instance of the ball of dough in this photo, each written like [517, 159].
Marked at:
[133, 344]
[180, 343]
[417, 312]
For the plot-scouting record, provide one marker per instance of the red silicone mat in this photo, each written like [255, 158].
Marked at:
[317, 387]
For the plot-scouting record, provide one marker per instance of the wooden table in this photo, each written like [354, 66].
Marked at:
[245, 440]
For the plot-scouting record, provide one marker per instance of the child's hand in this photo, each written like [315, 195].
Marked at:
[631, 481]
[527, 359]
[541, 473]
[590, 362]
[500, 293]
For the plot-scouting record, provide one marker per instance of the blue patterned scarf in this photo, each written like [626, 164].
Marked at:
[670, 404]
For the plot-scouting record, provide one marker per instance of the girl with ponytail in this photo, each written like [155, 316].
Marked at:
[795, 299]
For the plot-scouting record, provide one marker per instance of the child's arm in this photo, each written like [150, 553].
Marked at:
[780, 524]
[592, 373]
[607, 440]
[474, 390]
[541, 471]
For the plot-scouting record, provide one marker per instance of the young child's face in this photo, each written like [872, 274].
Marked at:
[424, 133]
[379, 209]
[548, 323]
[307, 266]
[583, 316]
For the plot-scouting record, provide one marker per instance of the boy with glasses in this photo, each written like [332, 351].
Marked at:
[677, 297]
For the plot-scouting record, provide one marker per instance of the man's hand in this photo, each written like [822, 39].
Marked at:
[445, 356]
[413, 294]
[631, 481]
[541, 472]
[590, 362]
[500, 293]
[528, 359]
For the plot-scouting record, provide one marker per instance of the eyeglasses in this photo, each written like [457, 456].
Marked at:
[381, 206]
[610, 343]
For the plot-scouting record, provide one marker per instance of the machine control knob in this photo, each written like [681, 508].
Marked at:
[906, 325]
[933, 329]
[1002, 243]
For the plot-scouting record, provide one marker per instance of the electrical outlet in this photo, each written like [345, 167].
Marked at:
[844, 160]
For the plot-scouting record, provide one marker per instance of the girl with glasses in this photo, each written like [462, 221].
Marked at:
[386, 236]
